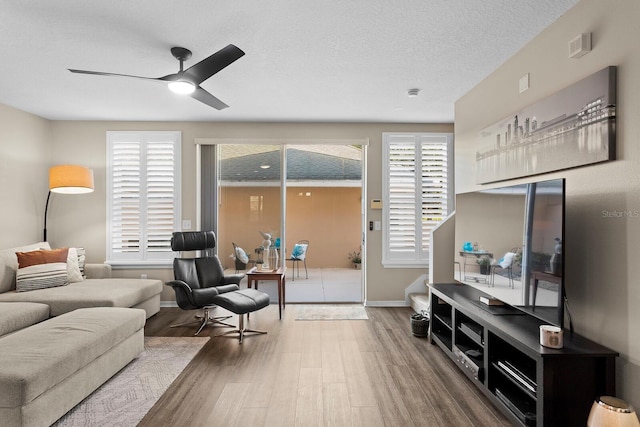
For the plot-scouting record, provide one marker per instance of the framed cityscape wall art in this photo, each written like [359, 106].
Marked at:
[571, 128]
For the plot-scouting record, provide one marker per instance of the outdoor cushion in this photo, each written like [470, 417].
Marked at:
[506, 260]
[242, 255]
[299, 251]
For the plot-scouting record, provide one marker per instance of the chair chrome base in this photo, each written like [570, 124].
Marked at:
[205, 319]
[241, 331]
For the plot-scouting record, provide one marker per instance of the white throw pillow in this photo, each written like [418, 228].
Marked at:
[241, 255]
[73, 268]
[82, 254]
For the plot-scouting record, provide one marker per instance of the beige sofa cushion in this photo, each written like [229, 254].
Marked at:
[9, 264]
[37, 358]
[97, 271]
[18, 315]
[90, 293]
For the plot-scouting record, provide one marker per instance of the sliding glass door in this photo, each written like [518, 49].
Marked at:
[316, 197]
[249, 196]
[324, 198]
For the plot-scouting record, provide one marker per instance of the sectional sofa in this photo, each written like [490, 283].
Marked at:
[98, 289]
[59, 344]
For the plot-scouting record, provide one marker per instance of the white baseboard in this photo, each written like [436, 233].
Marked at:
[400, 303]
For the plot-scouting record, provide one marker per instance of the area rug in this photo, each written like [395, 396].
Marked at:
[331, 312]
[127, 397]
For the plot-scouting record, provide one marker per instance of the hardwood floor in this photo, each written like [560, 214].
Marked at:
[318, 373]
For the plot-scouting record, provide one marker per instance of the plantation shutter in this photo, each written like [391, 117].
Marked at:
[416, 197]
[402, 222]
[161, 192]
[143, 196]
[434, 186]
[126, 228]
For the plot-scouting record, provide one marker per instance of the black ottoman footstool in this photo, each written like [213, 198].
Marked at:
[242, 302]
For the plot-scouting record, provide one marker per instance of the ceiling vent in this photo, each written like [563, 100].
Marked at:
[580, 46]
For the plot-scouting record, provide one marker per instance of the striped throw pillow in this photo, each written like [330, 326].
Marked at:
[41, 269]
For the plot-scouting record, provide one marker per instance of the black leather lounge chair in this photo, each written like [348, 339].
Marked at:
[199, 280]
[200, 283]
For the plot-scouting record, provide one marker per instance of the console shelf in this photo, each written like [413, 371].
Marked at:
[501, 353]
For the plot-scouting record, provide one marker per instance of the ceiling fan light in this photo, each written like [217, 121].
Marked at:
[182, 87]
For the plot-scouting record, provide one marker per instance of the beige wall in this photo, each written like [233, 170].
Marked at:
[25, 153]
[602, 262]
[329, 217]
[81, 221]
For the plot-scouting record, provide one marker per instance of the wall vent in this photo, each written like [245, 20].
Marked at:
[580, 46]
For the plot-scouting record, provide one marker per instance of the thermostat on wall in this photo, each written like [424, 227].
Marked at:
[376, 204]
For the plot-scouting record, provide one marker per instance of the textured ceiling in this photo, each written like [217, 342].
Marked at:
[337, 61]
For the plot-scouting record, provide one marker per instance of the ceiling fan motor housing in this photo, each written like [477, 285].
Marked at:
[181, 53]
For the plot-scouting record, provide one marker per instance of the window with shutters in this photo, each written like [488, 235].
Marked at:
[417, 194]
[143, 197]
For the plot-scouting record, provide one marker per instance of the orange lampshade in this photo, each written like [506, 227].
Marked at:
[70, 179]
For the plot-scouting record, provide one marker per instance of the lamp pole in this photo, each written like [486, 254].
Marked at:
[46, 208]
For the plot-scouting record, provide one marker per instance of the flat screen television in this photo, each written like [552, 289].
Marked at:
[510, 244]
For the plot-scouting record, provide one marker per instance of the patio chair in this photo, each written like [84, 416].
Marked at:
[298, 255]
[504, 263]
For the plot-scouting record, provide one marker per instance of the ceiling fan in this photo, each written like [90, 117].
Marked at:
[188, 81]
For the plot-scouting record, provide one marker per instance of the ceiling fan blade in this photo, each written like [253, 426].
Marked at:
[214, 63]
[99, 73]
[206, 98]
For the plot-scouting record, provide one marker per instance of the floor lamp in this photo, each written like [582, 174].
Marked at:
[67, 179]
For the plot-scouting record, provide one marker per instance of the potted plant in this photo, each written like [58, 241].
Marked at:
[356, 259]
[485, 265]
